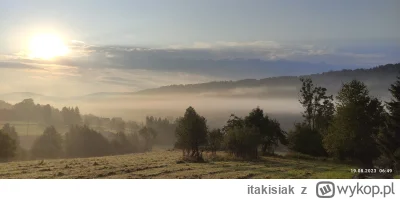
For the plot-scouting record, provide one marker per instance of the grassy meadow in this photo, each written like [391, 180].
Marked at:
[167, 164]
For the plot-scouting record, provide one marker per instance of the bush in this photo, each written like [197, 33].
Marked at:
[305, 140]
[243, 141]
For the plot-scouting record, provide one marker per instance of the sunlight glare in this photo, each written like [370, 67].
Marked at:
[47, 46]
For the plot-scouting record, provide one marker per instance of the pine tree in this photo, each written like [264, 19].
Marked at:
[394, 111]
[389, 137]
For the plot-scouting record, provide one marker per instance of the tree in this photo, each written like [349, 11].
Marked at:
[122, 145]
[357, 122]
[20, 153]
[234, 121]
[81, 141]
[7, 147]
[71, 116]
[46, 112]
[133, 138]
[243, 141]
[25, 109]
[394, 111]
[117, 124]
[270, 130]
[389, 137]
[165, 129]
[243, 138]
[148, 134]
[191, 133]
[215, 138]
[77, 115]
[132, 126]
[10, 131]
[66, 116]
[318, 113]
[275, 136]
[48, 145]
[319, 108]
[306, 100]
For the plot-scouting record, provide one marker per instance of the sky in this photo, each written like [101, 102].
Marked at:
[130, 45]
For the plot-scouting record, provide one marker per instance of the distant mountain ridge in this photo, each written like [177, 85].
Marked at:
[26, 95]
[377, 79]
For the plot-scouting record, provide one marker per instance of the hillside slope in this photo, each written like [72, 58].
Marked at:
[165, 164]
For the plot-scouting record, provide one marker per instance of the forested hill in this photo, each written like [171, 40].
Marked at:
[377, 79]
[5, 105]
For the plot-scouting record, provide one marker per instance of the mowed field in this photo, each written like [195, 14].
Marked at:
[167, 165]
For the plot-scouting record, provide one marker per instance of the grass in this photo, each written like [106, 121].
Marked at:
[166, 165]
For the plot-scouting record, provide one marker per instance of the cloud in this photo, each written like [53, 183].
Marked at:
[234, 60]
[14, 65]
[140, 57]
[90, 68]
[227, 44]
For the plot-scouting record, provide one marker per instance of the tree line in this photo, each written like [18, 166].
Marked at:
[243, 137]
[28, 111]
[88, 135]
[80, 141]
[353, 126]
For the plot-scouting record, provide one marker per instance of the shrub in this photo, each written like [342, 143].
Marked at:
[243, 141]
[305, 140]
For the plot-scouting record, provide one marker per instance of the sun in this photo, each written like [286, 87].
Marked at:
[47, 46]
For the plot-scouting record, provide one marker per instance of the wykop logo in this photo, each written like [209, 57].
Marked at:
[325, 189]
